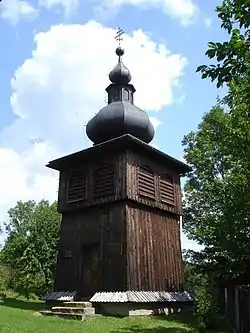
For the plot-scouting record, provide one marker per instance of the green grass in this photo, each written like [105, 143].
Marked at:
[20, 316]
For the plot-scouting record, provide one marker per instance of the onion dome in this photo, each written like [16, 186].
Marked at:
[120, 116]
[120, 74]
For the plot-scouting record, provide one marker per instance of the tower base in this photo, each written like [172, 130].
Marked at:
[142, 303]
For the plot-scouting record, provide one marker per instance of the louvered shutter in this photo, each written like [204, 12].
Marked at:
[77, 187]
[104, 181]
[146, 182]
[167, 189]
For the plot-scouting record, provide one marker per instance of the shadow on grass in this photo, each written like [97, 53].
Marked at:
[23, 304]
[192, 323]
[156, 329]
[181, 323]
[187, 318]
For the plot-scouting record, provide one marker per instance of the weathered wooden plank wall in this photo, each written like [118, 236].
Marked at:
[118, 163]
[154, 259]
[126, 166]
[135, 238]
[103, 226]
[134, 161]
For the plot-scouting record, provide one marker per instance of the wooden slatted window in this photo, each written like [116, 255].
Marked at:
[146, 182]
[104, 181]
[77, 186]
[167, 189]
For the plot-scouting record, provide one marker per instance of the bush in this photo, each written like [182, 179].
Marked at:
[4, 278]
[206, 308]
[3, 296]
[202, 328]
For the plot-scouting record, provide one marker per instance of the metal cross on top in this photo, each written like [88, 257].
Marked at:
[118, 35]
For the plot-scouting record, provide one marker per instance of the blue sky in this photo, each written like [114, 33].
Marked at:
[55, 60]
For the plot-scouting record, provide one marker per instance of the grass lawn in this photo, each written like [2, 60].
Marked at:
[19, 316]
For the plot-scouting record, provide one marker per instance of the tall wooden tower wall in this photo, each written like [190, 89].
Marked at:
[120, 225]
[154, 260]
[93, 225]
[100, 231]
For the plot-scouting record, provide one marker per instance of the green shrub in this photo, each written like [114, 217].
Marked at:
[5, 277]
[202, 328]
[205, 297]
[206, 307]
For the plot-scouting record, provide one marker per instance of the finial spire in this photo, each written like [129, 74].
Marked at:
[120, 74]
[118, 37]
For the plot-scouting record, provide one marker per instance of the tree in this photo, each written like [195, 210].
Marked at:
[31, 246]
[217, 192]
[233, 56]
[206, 299]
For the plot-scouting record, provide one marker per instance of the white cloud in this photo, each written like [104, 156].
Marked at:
[15, 10]
[68, 6]
[183, 10]
[60, 87]
[208, 22]
[18, 170]
[155, 121]
[57, 90]
[24, 177]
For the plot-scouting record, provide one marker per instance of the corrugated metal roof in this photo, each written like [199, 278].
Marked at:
[141, 297]
[59, 296]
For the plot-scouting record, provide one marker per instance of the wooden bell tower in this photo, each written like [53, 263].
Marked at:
[121, 204]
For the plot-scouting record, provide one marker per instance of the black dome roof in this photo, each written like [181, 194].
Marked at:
[120, 116]
[120, 74]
